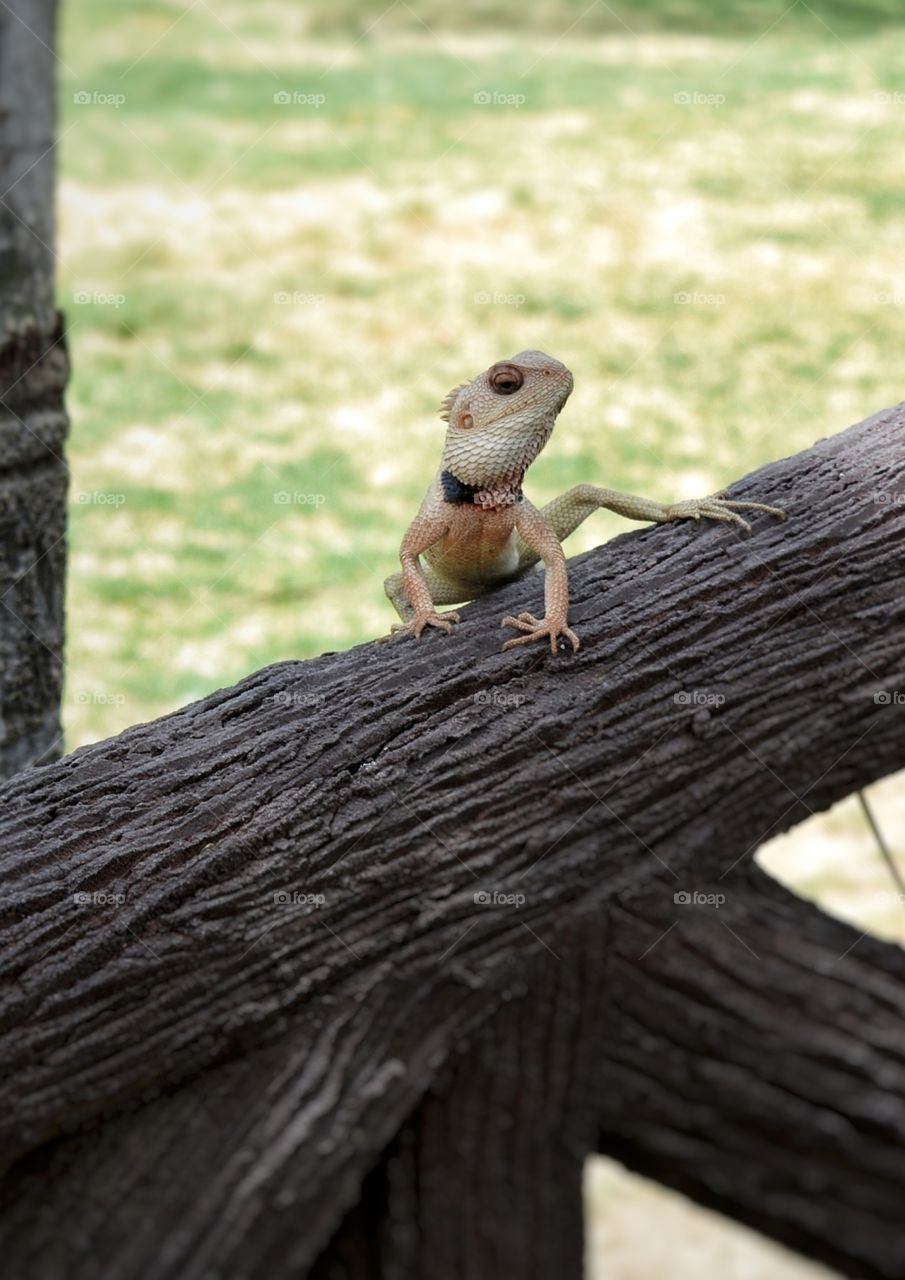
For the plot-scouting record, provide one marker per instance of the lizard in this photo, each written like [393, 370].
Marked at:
[476, 530]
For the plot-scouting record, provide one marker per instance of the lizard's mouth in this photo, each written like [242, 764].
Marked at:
[566, 392]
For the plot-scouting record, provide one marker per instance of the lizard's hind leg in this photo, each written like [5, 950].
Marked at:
[398, 599]
[442, 592]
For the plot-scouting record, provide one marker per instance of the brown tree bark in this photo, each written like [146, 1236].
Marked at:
[200, 1077]
[33, 371]
[711, 1061]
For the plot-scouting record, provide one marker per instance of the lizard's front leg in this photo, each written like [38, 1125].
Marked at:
[537, 534]
[567, 512]
[409, 591]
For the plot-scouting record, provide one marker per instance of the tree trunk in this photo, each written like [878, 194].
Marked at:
[33, 371]
[435, 922]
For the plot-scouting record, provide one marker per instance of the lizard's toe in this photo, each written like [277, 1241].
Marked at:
[718, 511]
[524, 622]
[735, 505]
[539, 629]
[510, 644]
[442, 621]
[572, 638]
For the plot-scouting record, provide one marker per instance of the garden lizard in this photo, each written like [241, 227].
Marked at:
[476, 530]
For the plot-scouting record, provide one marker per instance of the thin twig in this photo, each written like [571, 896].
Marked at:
[882, 845]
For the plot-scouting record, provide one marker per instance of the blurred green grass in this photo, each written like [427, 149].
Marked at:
[268, 299]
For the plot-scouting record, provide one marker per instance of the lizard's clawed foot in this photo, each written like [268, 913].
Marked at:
[538, 629]
[719, 508]
[442, 621]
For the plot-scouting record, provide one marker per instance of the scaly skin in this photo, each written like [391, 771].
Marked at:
[477, 531]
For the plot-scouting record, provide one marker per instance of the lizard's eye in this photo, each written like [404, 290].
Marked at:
[506, 378]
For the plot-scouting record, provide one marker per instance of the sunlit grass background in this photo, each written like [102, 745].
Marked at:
[286, 230]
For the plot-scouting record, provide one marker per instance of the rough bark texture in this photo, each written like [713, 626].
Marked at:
[33, 369]
[199, 1075]
[730, 1074]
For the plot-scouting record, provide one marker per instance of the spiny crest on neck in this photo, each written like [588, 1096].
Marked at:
[449, 401]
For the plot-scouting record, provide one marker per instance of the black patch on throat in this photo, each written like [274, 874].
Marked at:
[454, 490]
[458, 492]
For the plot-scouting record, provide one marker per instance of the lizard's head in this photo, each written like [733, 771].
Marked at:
[499, 422]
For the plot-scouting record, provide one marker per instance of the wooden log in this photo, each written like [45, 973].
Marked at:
[246, 947]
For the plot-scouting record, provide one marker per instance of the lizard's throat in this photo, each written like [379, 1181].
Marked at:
[494, 458]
